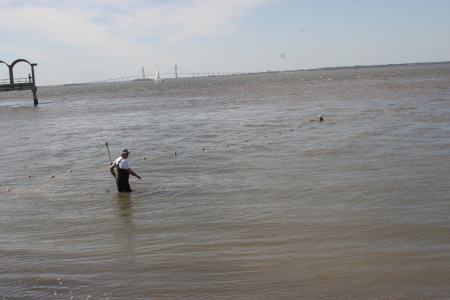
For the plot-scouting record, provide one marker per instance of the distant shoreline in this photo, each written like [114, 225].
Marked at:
[285, 71]
[378, 66]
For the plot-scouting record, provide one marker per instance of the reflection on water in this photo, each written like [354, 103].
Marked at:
[125, 227]
[125, 205]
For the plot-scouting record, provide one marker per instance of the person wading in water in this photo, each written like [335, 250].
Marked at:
[123, 172]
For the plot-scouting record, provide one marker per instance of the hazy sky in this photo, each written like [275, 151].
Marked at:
[87, 40]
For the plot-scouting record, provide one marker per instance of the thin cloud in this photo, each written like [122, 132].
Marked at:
[89, 24]
[178, 21]
[54, 25]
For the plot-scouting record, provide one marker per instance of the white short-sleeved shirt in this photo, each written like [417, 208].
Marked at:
[123, 163]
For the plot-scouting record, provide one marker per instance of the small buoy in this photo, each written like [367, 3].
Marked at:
[265, 136]
[8, 190]
[52, 176]
[246, 140]
[29, 176]
[174, 153]
[280, 133]
[292, 129]
[203, 149]
[143, 158]
[70, 170]
[226, 145]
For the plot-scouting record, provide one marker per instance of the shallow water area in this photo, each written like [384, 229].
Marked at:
[259, 202]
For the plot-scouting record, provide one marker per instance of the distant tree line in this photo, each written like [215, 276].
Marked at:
[378, 66]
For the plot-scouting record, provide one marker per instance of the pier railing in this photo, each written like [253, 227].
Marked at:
[16, 80]
[19, 84]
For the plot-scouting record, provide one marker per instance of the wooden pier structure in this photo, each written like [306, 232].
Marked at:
[17, 84]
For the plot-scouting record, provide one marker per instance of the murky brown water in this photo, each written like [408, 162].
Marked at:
[355, 207]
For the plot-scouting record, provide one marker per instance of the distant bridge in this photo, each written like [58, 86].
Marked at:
[167, 75]
[14, 84]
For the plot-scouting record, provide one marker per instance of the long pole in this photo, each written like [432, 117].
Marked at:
[110, 162]
[109, 154]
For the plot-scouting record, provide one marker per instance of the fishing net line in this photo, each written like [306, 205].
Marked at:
[94, 168]
[90, 165]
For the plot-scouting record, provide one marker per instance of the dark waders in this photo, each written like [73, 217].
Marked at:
[122, 179]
